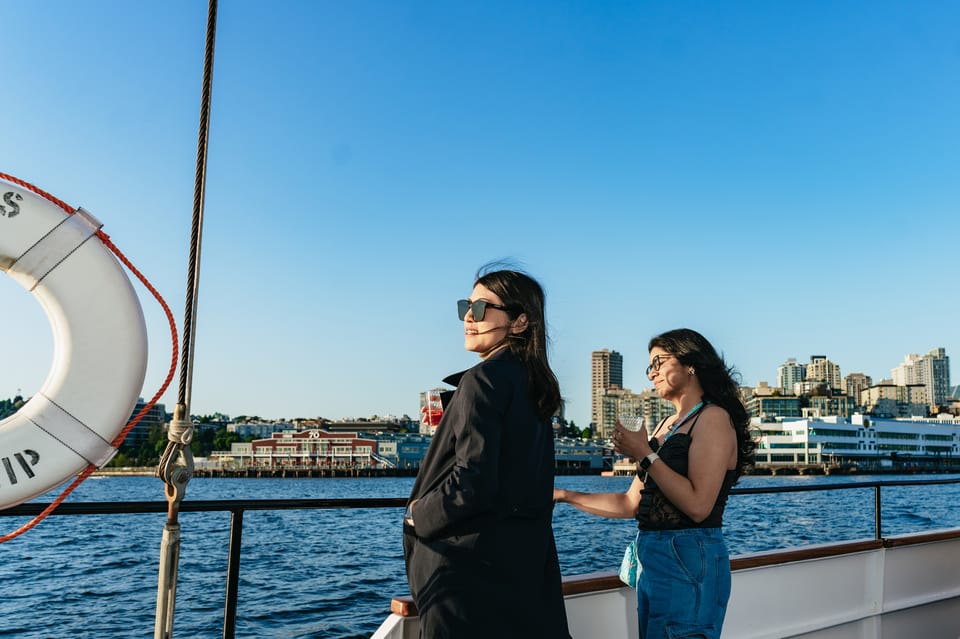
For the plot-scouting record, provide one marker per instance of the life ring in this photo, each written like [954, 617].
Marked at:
[99, 346]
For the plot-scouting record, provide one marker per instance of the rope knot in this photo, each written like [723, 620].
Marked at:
[180, 431]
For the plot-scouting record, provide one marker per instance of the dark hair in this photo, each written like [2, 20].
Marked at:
[717, 381]
[521, 293]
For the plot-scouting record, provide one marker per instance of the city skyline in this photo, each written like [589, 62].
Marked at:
[415, 414]
[773, 178]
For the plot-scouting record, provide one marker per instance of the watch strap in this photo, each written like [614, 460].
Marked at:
[648, 460]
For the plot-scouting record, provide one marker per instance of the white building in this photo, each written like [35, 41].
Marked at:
[859, 439]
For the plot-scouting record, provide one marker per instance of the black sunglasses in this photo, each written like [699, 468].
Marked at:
[478, 307]
[657, 362]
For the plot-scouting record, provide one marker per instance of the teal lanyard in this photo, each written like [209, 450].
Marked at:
[682, 421]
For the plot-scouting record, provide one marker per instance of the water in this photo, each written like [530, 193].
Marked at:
[331, 573]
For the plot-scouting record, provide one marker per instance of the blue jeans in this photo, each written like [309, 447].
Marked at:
[684, 583]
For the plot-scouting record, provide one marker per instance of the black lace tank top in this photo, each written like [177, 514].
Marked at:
[655, 511]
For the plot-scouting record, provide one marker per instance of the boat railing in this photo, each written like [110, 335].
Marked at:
[237, 507]
[877, 486]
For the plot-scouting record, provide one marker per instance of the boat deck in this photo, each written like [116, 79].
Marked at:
[905, 586]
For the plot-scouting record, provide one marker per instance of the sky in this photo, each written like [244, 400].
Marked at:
[783, 177]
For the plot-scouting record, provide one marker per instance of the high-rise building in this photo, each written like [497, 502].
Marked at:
[932, 370]
[789, 374]
[854, 384]
[905, 372]
[606, 369]
[821, 369]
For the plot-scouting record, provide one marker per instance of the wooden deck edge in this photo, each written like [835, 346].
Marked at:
[592, 582]
[816, 551]
[921, 538]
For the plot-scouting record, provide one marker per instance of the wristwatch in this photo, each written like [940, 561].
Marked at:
[649, 459]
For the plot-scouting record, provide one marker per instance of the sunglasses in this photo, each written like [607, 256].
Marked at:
[478, 308]
[656, 363]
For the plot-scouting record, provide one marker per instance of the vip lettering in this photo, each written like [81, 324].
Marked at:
[22, 463]
[11, 198]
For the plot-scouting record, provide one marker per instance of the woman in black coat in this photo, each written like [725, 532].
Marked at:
[477, 535]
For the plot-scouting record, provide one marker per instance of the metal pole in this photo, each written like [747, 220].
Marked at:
[167, 588]
[176, 465]
[233, 575]
[877, 516]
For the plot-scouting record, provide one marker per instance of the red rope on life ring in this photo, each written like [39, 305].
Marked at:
[105, 239]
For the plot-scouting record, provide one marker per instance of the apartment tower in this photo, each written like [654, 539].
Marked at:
[932, 370]
[606, 368]
[789, 374]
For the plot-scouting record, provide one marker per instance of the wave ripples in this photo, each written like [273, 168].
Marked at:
[330, 574]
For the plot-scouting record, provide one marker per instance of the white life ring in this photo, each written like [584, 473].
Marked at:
[99, 346]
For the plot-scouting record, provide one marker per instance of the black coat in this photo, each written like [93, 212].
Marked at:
[481, 559]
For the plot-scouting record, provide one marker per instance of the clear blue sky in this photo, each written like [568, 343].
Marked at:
[782, 176]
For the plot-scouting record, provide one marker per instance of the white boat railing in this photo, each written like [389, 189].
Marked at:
[894, 586]
[904, 586]
[885, 583]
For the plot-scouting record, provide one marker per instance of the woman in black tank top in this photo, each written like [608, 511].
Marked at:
[684, 475]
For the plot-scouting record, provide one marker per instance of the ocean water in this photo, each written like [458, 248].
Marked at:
[331, 573]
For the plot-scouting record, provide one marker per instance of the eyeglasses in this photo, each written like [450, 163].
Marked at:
[656, 363]
[478, 307]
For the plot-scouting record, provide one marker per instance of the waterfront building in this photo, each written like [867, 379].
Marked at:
[606, 370]
[328, 450]
[410, 450]
[821, 369]
[774, 406]
[789, 374]
[313, 448]
[860, 439]
[824, 405]
[156, 418]
[932, 370]
[582, 455]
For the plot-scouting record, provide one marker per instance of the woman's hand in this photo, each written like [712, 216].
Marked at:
[559, 495]
[633, 444]
[408, 515]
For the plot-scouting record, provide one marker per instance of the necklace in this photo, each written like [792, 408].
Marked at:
[681, 422]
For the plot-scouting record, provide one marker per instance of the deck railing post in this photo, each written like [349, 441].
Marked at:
[233, 575]
[877, 510]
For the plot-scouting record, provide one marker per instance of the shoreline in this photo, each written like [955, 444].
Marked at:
[313, 473]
